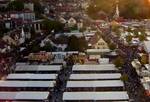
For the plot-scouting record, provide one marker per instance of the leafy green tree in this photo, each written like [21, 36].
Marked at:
[73, 43]
[118, 62]
[47, 25]
[74, 28]
[61, 39]
[3, 9]
[138, 9]
[16, 5]
[144, 59]
[76, 44]
[50, 25]
[116, 30]
[92, 11]
[82, 29]
[33, 33]
[124, 77]
[142, 37]
[82, 44]
[112, 46]
[38, 7]
[136, 32]
[128, 38]
[35, 48]
[108, 41]
[129, 29]
[48, 47]
[143, 34]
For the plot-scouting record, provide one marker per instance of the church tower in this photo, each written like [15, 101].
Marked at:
[22, 37]
[117, 10]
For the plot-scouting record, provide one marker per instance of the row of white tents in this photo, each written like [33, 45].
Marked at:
[95, 83]
[29, 83]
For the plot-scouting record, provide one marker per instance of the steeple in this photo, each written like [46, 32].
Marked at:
[116, 10]
[22, 33]
[22, 37]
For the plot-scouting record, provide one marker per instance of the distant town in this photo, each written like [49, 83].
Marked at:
[74, 50]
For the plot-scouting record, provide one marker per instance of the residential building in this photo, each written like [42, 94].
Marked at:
[28, 4]
[16, 18]
[71, 22]
[147, 49]
[101, 44]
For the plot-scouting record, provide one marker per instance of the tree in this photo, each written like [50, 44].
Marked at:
[118, 62]
[47, 25]
[77, 44]
[128, 38]
[124, 77]
[135, 9]
[112, 46]
[144, 59]
[74, 28]
[48, 47]
[116, 30]
[61, 40]
[3, 9]
[129, 29]
[73, 43]
[38, 9]
[33, 33]
[82, 44]
[142, 37]
[136, 32]
[50, 25]
[35, 48]
[16, 5]
[82, 29]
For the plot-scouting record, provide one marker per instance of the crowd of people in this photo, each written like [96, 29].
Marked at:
[62, 78]
[6, 64]
[7, 55]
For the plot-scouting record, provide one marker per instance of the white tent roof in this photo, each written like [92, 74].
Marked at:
[97, 50]
[21, 63]
[31, 76]
[104, 67]
[27, 83]
[38, 68]
[107, 83]
[95, 96]
[95, 76]
[64, 53]
[147, 46]
[24, 95]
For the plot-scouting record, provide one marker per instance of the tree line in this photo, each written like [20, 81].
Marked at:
[131, 9]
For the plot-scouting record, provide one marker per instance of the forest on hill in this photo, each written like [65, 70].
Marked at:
[134, 9]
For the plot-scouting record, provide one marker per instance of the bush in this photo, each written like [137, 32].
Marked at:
[118, 62]
[124, 77]
[112, 46]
